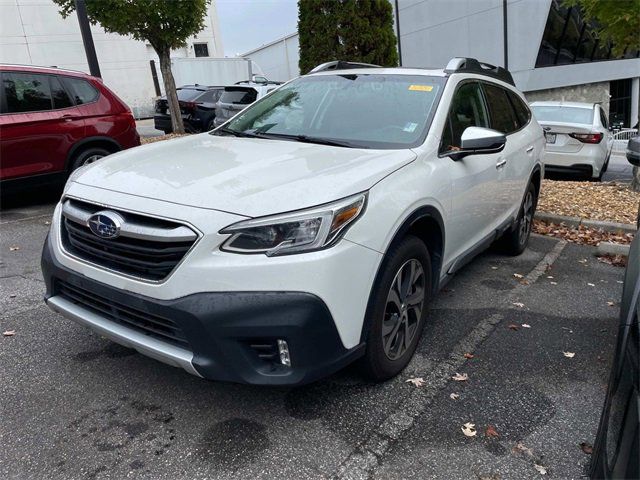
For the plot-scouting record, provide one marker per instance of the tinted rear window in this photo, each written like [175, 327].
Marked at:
[503, 118]
[188, 94]
[242, 96]
[563, 114]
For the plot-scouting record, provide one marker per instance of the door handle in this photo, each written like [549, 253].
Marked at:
[501, 163]
[530, 149]
[68, 118]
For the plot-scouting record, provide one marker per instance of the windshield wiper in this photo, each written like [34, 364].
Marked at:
[308, 139]
[235, 133]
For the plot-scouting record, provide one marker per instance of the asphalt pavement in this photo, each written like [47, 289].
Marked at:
[75, 405]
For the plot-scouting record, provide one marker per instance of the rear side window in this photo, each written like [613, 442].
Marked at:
[59, 94]
[503, 118]
[523, 114]
[467, 110]
[236, 95]
[81, 90]
[603, 119]
[26, 92]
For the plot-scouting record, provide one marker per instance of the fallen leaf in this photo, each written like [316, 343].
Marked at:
[542, 470]
[494, 268]
[584, 260]
[569, 354]
[47, 222]
[591, 284]
[520, 448]
[619, 281]
[469, 429]
[491, 432]
[468, 355]
[417, 381]
[14, 249]
[454, 396]
[518, 275]
[526, 325]
[513, 326]
[611, 304]
[586, 448]
[553, 283]
[460, 377]
[9, 333]
[518, 304]
[549, 276]
[13, 295]
[524, 281]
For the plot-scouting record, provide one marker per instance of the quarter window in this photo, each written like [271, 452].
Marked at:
[26, 92]
[503, 118]
[467, 110]
[81, 90]
[59, 94]
[603, 119]
[523, 114]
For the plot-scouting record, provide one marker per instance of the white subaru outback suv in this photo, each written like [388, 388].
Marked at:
[307, 232]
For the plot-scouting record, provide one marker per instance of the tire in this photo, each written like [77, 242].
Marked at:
[167, 131]
[516, 239]
[88, 156]
[393, 318]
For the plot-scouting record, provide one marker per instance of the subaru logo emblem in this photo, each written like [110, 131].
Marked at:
[105, 224]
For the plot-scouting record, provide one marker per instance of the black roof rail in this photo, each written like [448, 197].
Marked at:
[342, 65]
[471, 65]
[253, 82]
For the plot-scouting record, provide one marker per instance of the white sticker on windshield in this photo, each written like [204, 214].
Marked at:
[410, 127]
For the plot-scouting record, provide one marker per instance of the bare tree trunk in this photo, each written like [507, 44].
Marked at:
[170, 90]
[635, 182]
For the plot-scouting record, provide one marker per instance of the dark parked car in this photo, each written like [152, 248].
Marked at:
[237, 97]
[197, 106]
[55, 120]
[617, 451]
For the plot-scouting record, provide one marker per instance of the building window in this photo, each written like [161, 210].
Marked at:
[620, 103]
[568, 39]
[201, 49]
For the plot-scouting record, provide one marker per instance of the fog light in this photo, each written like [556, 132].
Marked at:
[283, 349]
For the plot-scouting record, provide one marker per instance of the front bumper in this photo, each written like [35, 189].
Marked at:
[222, 329]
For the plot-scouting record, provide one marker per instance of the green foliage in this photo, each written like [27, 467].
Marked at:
[164, 24]
[353, 30]
[618, 21]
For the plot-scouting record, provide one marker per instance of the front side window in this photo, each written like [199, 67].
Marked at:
[81, 90]
[503, 118]
[357, 110]
[562, 114]
[467, 110]
[26, 92]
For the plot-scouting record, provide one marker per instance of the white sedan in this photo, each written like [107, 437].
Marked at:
[577, 136]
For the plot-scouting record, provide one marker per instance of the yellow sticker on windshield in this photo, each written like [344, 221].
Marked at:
[421, 88]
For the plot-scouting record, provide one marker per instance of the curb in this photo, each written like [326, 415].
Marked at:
[612, 227]
[607, 248]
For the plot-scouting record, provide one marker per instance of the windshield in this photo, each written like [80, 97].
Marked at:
[362, 111]
[563, 114]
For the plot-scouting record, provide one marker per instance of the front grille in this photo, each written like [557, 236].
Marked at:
[147, 323]
[147, 248]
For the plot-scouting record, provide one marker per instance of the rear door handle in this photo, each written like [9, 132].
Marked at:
[68, 118]
[501, 163]
[530, 149]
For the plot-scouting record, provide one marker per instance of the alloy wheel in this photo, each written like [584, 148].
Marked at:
[527, 217]
[403, 310]
[92, 159]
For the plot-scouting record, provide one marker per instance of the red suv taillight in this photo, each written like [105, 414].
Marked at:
[588, 137]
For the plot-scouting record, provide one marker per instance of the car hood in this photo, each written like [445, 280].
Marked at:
[245, 176]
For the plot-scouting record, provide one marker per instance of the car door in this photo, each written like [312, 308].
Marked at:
[39, 124]
[516, 160]
[474, 178]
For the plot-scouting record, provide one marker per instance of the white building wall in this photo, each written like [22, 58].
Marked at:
[279, 59]
[32, 32]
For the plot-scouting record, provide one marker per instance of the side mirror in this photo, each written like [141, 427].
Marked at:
[633, 151]
[478, 140]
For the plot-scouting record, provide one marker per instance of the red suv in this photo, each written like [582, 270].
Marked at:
[54, 121]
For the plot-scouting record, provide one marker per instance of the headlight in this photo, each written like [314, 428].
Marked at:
[294, 232]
